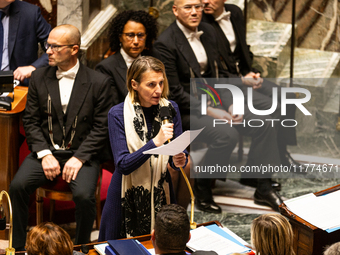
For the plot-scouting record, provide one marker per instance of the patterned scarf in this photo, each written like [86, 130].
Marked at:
[145, 190]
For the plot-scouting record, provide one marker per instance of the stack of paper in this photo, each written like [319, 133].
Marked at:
[100, 248]
[213, 238]
[320, 211]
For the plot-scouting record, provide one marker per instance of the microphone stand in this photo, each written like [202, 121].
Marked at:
[10, 250]
[165, 119]
[193, 224]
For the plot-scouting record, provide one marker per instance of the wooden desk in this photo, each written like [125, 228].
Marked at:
[145, 240]
[308, 239]
[9, 138]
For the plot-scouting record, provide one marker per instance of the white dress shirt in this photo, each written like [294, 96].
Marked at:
[227, 27]
[5, 24]
[128, 59]
[196, 45]
[66, 85]
[65, 89]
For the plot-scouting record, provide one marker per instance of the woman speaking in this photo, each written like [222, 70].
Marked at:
[141, 184]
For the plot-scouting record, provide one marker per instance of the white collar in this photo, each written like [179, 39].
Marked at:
[187, 32]
[73, 69]
[224, 14]
[127, 58]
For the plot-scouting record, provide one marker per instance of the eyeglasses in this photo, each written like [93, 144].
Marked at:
[132, 36]
[188, 8]
[55, 47]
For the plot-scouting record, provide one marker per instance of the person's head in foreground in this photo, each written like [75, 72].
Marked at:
[272, 234]
[48, 239]
[333, 249]
[172, 229]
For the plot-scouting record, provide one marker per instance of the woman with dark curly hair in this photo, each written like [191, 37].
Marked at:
[131, 35]
[141, 183]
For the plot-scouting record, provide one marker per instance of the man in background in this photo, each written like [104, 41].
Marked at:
[188, 49]
[228, 21]
[21, 30]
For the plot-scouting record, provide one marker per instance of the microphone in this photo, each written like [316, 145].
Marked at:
[165, 115]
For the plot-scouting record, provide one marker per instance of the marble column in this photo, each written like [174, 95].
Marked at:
[70, 12]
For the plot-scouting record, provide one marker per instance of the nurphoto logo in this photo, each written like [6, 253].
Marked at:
[238, 100]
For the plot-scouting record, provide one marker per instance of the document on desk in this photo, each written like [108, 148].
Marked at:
[100, 248]
[204, 239]
[176, 146]
[320, 211]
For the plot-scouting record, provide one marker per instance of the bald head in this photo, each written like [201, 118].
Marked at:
[188, 13]
[65, 41]
[69, 33]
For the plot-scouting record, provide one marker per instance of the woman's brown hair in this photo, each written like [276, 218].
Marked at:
[272, 234]
[48, 239]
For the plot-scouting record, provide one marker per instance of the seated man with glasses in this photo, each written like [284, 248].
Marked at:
[57, 48]
[65, 122]
[188, 49]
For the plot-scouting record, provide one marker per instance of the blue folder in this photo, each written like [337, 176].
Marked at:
[127, 247]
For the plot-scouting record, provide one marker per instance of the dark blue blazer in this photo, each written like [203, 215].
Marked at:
[27, 28]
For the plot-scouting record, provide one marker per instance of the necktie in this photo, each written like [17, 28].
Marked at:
[224, 15]
[66, 74]
[196, 35]
[2, 14]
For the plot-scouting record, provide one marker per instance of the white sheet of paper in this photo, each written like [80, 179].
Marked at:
[152, 251]
[204, 239]
[227, 230]
[176, 146]
[321, 211]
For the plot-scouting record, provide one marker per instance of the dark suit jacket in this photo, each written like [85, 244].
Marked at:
[90, 102]
[115, 67]
[178, 57]
[27, 28]
[237, 20]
